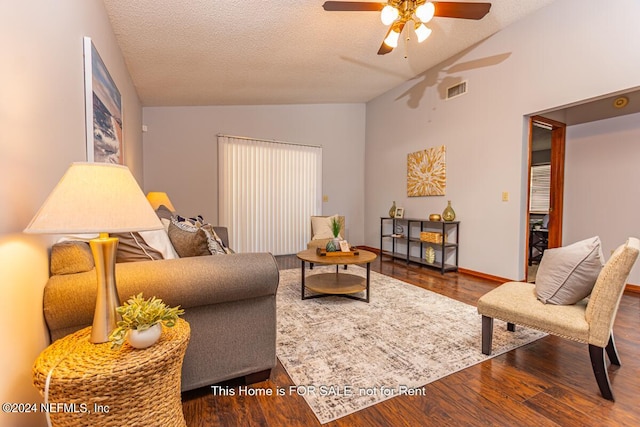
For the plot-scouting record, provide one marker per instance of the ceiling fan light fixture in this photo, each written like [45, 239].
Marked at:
[392, 38]
[389, 14]
[422, 32]
[425, 12]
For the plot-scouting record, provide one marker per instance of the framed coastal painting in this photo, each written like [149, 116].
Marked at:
[426, 172]
[103, 110]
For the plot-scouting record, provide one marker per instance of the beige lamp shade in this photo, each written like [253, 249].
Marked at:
[159, 198]
[95, 198]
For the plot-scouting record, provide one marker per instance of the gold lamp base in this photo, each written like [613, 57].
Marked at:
[105, 317]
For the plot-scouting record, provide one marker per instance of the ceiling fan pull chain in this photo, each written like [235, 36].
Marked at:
[406, 45]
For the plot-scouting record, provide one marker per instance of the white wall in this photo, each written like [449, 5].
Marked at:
[566, 52]
[42, 130]
[602, 191]
[180, 152]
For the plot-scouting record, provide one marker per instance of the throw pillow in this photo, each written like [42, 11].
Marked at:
[188, 239]
[159, 241]
[321, 227]
[132, 247]
[215, 243]
[70, 257]
[163, 212]
[566, 275]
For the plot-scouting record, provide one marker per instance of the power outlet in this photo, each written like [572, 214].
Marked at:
[505, 196]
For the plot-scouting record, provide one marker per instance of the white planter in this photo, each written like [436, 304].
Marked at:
[145, 338]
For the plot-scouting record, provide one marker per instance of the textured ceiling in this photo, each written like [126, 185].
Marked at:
[232, 52]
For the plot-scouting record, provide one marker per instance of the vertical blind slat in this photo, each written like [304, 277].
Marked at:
[267, 193]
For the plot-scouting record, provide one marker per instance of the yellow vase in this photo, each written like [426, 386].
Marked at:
[448, 214]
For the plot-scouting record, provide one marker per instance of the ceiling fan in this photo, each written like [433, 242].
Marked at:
[397, 13]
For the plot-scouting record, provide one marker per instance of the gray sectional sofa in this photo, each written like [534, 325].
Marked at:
[229, 301]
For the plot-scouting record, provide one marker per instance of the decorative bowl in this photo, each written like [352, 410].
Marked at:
[435, 217]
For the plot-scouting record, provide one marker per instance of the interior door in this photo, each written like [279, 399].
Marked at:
[557, 184]
[556, 190]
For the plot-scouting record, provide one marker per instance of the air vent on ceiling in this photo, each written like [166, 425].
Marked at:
[457, 90]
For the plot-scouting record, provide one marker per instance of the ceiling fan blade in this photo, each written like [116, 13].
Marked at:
[352, 6]
[464, 10]
[385, 48]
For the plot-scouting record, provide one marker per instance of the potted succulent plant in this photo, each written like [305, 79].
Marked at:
[142, 320]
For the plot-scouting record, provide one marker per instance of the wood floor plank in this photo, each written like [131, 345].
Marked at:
[546, 383]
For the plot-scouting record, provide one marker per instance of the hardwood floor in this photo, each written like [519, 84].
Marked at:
[546, 383]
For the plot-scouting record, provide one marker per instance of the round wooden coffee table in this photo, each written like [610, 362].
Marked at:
[337, 284]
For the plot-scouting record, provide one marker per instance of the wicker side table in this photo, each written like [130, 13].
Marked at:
[93, 385]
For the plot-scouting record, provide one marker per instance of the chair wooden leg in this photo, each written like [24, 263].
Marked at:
[511, 327]
[487, 334]
[612, 351]
[600, 371]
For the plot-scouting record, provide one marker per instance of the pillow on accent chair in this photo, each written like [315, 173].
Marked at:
[566, 275]
[321, 227]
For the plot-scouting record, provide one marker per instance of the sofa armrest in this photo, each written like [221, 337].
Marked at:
[69, 300]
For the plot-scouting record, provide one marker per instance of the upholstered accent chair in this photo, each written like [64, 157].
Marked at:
[589, 321]
[319, 236]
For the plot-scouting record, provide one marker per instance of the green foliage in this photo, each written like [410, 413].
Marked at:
[335, 227]
[138, 313]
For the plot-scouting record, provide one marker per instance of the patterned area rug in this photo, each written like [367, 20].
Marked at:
[346, 355]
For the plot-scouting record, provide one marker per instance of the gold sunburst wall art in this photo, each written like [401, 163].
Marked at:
[426, 172]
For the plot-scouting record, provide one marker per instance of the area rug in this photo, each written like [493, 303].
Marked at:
[345, 355]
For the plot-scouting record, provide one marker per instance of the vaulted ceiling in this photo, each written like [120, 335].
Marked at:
[237, 52]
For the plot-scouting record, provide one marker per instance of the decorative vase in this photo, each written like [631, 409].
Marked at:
[430, 255]
[392, 211]
[331, 247]
[448, 214]
[336, 243]
[145, 337]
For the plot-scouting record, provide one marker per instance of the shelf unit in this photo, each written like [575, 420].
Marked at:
[411, 239]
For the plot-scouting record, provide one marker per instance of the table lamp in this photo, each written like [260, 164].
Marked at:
[98, 198]
[159, 198]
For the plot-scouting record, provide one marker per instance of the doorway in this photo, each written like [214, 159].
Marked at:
[546, 189]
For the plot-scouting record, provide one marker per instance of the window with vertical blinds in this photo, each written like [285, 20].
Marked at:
[540, 189]
[267, 193]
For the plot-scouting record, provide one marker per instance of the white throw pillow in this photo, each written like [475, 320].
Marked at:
[159, 240]
[566, 275]
[321, 227]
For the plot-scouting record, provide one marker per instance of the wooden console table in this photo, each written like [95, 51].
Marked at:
[94, 385]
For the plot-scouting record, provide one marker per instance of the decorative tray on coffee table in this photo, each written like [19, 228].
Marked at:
[352, 252]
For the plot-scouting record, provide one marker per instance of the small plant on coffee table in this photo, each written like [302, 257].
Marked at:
[335, 227]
